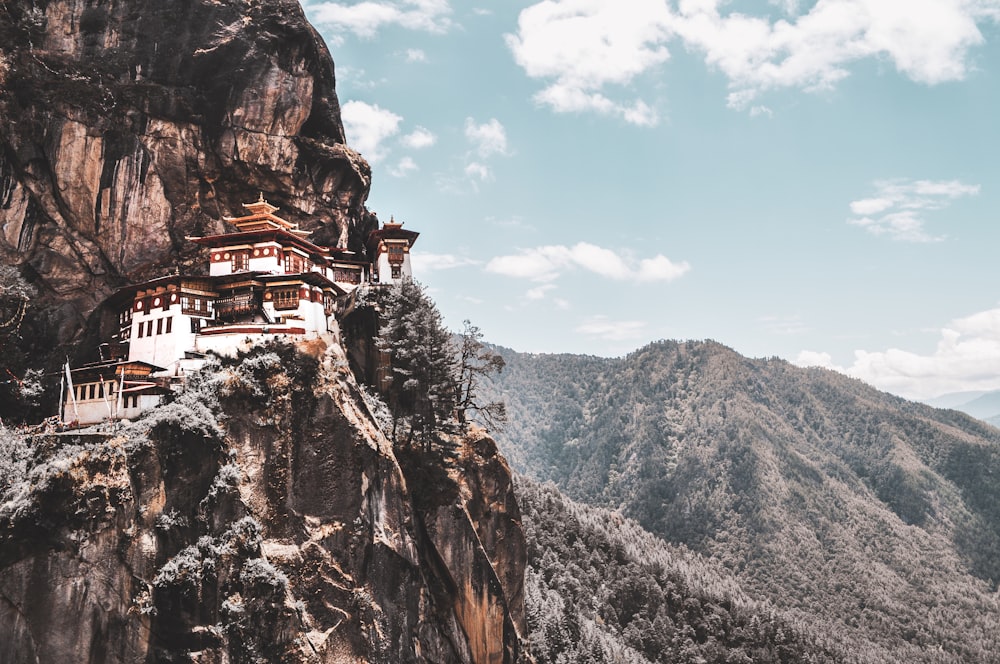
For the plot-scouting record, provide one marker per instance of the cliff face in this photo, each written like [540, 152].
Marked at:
[127, 124]
[273, 523]
[261, 516]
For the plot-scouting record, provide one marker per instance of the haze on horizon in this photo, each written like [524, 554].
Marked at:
[810, 180]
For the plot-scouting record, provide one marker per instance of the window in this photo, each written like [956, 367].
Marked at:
[286, 298]
[90, 391]
[241, 261]
[397, 272]
[170, 324]
[195, 327]
[141, 326]
[294, 264]
[159, 326]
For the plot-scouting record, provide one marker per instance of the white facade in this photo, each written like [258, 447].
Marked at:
[390, 272]
[265, 282]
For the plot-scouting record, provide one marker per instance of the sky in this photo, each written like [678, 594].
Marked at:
[816, 181]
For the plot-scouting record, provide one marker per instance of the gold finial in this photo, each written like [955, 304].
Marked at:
[261, 198]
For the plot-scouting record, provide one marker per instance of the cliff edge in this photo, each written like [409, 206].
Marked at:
[261, 516]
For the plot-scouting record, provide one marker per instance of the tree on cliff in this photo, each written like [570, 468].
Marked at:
[20, 387]
[420, 387]
[476, 362]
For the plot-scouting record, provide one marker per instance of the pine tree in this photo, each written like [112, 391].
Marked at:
[421, 386]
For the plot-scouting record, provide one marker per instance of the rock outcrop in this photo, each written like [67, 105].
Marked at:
[262, 515]
[272, 523]
[127, 124]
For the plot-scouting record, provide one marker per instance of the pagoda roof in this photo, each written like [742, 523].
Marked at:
[179, 281]
[117, 368]
[260, 279]
[279, 235]
[262, 217]
[390, 230]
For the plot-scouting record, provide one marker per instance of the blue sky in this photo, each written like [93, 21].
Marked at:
[818, 181]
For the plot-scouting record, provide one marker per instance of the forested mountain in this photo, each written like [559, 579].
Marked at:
[835, 502]
[601, 589]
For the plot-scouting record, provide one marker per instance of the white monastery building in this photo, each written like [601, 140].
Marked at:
[265, 281]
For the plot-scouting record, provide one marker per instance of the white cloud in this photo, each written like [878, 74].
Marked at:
[898, 206]
[415, 55]
[927, 40]
[427, 262]
[366, 18]
[477, 171]
[539, 292]
[588, 52]
[583, 46]
[419, 138]
[367, 127]
[967, 357]
[810, 358]
[488, 139]
[546, 263]
[603, 327]
[405, 166]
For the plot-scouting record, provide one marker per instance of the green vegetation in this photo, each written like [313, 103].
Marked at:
[852, 508]
[600, 589]
[21, 387]
[433, 383]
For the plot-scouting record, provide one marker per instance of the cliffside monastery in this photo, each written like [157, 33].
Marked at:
[265, 281]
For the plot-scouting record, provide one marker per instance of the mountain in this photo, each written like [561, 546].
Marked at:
[601, 589]
[850, 507]
[954, 399]
[982, 405]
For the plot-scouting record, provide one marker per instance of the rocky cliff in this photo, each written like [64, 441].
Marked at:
[262, 516]
[127, 124]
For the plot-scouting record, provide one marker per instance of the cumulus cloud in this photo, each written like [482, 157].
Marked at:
[404, 167]
[583, 46]
[366, 18]
[589, 52]
[488, 139]
[367, 127]
[427, 262]
[539, 292]
[477, 171]
[897, 209]
[415, 55]
[603, 327]
[547, 263]
[967, 357]
[418, 139]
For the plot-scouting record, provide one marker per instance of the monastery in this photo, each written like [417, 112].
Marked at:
[265, 281]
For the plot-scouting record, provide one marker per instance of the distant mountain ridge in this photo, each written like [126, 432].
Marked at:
[821, 494]
[982, 405]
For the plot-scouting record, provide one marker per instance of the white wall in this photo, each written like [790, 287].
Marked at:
[162, 349]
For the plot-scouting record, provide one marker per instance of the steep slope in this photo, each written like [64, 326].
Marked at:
[126, 125]
[262, 516]
[820, 493]
[601, 589]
